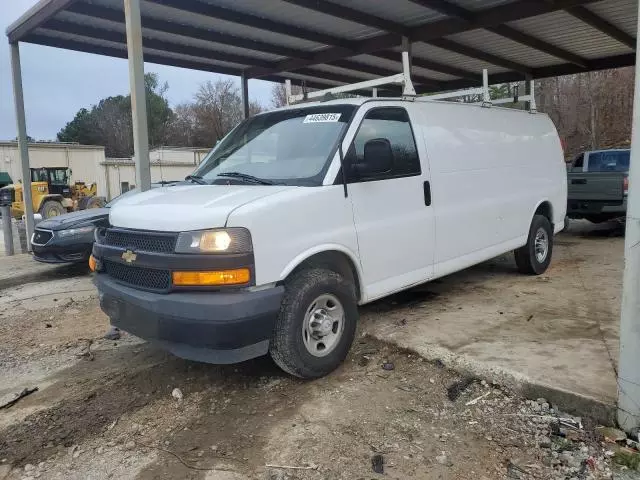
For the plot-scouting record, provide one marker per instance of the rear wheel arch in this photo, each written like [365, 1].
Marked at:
[544, 208]
[334, 260]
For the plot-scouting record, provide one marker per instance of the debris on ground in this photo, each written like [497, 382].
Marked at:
[177, 394]
[458, 387]
[377, 463]
[18, 397]
[388, 366]
[113, 334]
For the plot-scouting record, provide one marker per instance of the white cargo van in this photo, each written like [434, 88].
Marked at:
[301, 214]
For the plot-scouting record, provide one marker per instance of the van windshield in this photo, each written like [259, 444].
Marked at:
[289, 147]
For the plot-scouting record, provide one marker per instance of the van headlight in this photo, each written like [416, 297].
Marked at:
[220, 240]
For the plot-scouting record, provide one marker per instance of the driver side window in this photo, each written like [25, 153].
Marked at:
[390, 125]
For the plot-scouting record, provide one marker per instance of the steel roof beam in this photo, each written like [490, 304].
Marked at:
[154, 43]
[254, 21]
[171, 61]
[467, 51]
[159, 25]
[599, 23]
[490, 17]
[429, 65]
[382, 71]
[506, 31]
[347, 13]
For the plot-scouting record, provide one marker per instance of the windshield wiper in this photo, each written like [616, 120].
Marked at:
[196, 179]
[249, 178]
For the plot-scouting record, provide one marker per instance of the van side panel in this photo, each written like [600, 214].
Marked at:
[290, 227]
[490, 168]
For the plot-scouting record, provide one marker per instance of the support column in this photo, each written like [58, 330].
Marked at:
[18, 96]
[138, 94]
[628, 367]
[406, 47]
[527, 91]
[244, 90]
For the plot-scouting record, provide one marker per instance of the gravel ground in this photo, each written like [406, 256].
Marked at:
[122, 409]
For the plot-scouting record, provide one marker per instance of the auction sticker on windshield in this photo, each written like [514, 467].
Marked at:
[322, 117]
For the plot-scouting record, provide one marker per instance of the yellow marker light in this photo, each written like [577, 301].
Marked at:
[92, 263]
[222, 277]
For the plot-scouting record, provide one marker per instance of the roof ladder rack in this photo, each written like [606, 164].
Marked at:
[403, 79]
[487, 101]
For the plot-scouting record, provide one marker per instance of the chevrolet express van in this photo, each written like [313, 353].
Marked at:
[301, 214]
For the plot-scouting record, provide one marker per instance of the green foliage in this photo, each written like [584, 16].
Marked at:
[109, 122]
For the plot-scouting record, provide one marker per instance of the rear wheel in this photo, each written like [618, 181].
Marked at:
[316, 324]
[51, 208]
[534, 257]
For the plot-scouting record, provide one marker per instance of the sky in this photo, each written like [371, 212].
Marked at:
[57, 83]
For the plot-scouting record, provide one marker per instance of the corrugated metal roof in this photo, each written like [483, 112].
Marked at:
[401, 11]
[333, 41]
[300, 17]
[503, 47]
[430, 52]
[621, 13]
[569, 33]
[178, 39]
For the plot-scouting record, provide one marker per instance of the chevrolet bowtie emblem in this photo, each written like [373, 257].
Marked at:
[129, 256]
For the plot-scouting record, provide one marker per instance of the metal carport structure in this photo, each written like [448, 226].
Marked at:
[327, 43]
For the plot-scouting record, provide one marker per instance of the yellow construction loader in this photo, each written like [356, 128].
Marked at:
[51, 194]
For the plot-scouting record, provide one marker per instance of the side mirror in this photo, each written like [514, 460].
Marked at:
[378, 158]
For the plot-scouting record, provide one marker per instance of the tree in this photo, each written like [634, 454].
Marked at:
[590, 110]
[109, 122]
[279, 94]
[215, 110]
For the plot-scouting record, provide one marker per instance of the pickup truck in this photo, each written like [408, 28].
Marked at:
[597, 184]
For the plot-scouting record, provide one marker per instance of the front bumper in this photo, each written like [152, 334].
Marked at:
[64, 250]
[213, 327]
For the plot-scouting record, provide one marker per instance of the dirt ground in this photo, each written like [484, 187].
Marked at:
[109, 409]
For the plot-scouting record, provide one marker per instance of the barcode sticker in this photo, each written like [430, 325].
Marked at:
[322, 117]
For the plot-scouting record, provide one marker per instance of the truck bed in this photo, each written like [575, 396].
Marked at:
[599, 195]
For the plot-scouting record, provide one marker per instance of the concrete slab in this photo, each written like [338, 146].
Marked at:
[557, 333]
[22, 268]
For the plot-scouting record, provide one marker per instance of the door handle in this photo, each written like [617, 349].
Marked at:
[579, 181]
[427, 193]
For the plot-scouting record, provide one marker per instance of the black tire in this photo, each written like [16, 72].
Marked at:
[51, 208]
[287, 346]
[526, 258]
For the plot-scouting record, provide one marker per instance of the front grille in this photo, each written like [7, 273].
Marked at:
[41, 237]
[141, 241]
[149, 278]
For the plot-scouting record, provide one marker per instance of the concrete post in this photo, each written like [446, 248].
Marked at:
[628, 369]
[18, 97]
[244, 90]
[6, 230]
[138, 94]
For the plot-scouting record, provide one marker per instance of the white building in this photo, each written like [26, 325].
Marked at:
[83, 160]
[167, 163]
[88, 164]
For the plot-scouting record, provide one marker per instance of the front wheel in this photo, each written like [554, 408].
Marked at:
[534, 257]
[316, 324]
[51, 208]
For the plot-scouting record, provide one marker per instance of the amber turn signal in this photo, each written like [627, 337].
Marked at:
[92, 263]
[222, 277]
